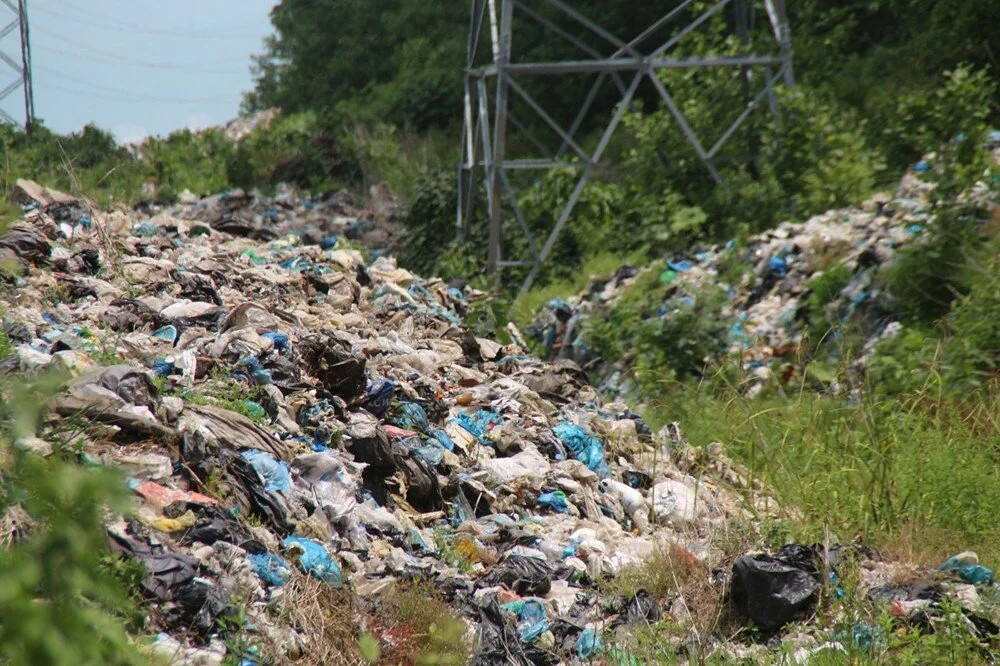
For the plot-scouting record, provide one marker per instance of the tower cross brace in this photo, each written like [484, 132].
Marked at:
[626, 63]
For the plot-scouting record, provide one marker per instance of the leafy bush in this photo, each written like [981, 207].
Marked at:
[823, 289]
[929, 273]
[924, 120]
[597, 224]
[295, 149]
[659, 334]
[429, 221]
[58, 604]
[820, 154]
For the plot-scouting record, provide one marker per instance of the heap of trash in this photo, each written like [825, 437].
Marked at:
[766, 307]
[286, 405]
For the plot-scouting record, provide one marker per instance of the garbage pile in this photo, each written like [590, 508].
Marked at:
[324, 219]
[283, 408]
[766, 308]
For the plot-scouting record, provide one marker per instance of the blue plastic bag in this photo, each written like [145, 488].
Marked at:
[274, 472]
[315, 560]
[970, 573]
[778, 265]
[679, 266]
[260, 375]
[280, 340]
[477, 425]
[379, 396]
[430, 452]
[412, 416]
[588, 644]
[168, 333]
[443, 439]
[271, 568]
[533, 622]
[555, 501]
[585, 447]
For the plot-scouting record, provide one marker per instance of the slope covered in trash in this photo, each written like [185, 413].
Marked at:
[790, 303]
[307, 432]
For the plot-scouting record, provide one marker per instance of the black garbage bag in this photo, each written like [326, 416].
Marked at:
[527, 576]
[907, 592]
[772, 591]
[196, 287]
[200, 605]
[130, 384]
[214, 524]
[499, 643]
[330, 360]
[166, 570]
[640, 607]
[27, 243]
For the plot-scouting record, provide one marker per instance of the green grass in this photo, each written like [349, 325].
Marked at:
[917, 475]
[524, 309]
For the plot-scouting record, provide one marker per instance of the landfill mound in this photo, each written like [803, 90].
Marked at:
[766, 310]
[289, 413]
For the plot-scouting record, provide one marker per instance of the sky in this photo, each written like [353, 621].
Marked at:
[138, 67]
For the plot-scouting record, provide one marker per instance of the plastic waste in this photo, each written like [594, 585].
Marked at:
[585, 447]
[772, 591]
[588, 644]
[411, 415]
[478, 425]
[554, 500]
[260, 375]
[314, 559]
[280, 340]
[168, 333]
[273, 472]
[271, 568]
[681, 266]
[443, 439]
[533, 622]
[967, 566]
[523, 575]
[640, 607]
[379, 397]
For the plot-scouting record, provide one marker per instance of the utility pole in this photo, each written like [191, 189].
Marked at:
[19, 62]
[759, 65]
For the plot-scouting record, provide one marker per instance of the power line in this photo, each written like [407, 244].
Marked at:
[132, 95]
[116, 98]
[106, 23]
[120, 60]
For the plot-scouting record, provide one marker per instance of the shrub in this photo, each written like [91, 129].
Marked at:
[58, 604]
[925, 119]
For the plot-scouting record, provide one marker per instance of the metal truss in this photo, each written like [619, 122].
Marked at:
[20, 62]
[484, 146]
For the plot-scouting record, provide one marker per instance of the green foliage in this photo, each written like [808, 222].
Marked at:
[661, 334]
[423, 628]
[925, 119]
[294, 149]
[429, 221]
[820, 154]
[597, 222]
[929, 273]
[58, 604]
[889, 469]
[824, 288]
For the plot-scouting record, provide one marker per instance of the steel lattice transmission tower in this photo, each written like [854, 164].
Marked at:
[494, 78]
[20, 62]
